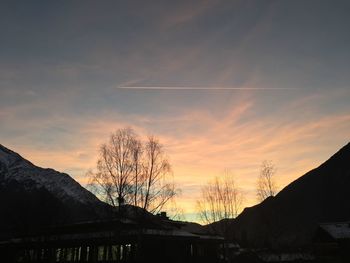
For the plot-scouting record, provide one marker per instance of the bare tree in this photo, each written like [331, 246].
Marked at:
[220, 199]
[174, 211]
[133, 172]
[114, 169]
[266, 185]
[138, 178]
[156, 190]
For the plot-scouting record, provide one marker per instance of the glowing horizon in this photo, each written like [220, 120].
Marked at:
[198, 151]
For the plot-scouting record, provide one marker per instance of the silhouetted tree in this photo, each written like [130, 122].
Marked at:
[155, 191]
[113, 175]
[138, 178]
[130, 171]
[266, 185]
[220, 199]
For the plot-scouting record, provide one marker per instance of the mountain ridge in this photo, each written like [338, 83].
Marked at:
[31, 196]
[291, 217]
[20, 169]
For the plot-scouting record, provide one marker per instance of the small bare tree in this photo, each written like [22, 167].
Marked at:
[130, 171]
[220, 199]
[266, 185]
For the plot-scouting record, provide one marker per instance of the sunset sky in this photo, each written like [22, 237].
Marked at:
[284, 67]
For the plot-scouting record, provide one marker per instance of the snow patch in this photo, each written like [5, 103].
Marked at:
[15, 167]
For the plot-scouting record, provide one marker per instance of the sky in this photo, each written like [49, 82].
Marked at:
[242, 82]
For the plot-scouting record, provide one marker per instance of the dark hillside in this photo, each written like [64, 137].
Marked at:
[32, 197]
[290, 218]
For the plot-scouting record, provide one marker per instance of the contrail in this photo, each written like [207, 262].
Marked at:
[199, 88]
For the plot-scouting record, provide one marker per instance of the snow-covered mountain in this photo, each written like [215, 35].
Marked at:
[14, 167]
[31, 196]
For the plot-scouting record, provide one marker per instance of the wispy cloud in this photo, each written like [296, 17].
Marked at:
[200, 143]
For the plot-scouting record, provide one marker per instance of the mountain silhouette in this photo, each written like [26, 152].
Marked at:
[32, 197]
[291, 217]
